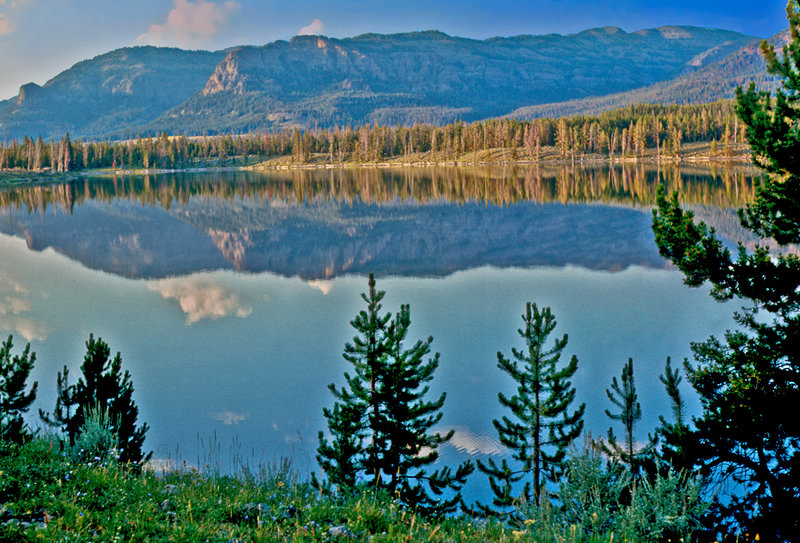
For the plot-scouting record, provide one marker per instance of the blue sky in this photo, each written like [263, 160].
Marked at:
[39, 38]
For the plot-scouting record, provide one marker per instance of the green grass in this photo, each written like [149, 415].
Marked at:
[47, 496]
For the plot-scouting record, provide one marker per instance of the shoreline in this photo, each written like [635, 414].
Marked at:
[10, 178]
[694, 161]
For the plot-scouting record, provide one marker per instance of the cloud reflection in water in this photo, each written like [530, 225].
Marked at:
[15, 307]
[473, 444]
[201, 297]
[322, 285]
[230, 418]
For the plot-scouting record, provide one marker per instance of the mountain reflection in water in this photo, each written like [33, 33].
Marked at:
[318, 224]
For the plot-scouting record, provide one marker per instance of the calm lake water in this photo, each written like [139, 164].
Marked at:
[229, 294]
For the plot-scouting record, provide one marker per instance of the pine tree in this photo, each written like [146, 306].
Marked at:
[542, 427]
[14, 401]
[671, 380]
[339, 459]
[342, 459]
[381, 424]
[105, 388]
[623, 395]
[748, 434]
[672, 435]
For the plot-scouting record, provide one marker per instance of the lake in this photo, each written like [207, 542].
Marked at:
[229, 294]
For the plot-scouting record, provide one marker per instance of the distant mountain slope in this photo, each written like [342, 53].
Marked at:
[715, 81]
[430, 76]
[123, 89]
[318, 81]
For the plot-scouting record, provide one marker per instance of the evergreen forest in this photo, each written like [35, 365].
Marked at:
[661, 132]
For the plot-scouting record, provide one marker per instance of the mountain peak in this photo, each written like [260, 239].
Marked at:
[603, 31]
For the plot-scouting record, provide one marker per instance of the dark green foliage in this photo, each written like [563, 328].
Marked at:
[623, 395]
[47, 496]
[671, 380]
[102, 389]
[14, 401]
[748, 435]
[380, 425]
[359, 399]
[541, 427]
[339, 458]
[674, 451]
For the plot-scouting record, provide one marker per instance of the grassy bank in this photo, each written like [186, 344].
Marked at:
[48, 494]
[692, 153]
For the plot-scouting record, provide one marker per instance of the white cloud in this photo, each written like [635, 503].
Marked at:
[5, 26]
[229, 418]
[190, 23]
[316, 27]
[201, 298]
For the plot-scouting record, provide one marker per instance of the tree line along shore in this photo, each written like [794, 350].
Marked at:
[670, 133]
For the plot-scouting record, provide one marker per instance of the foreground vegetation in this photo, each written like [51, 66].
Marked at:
[53, 492]
[91, 480]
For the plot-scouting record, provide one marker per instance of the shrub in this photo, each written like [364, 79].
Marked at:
[97, 440]
[592, 491]
[667, 509]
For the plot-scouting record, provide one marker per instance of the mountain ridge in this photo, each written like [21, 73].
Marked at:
[307, 81]
[714, 81]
